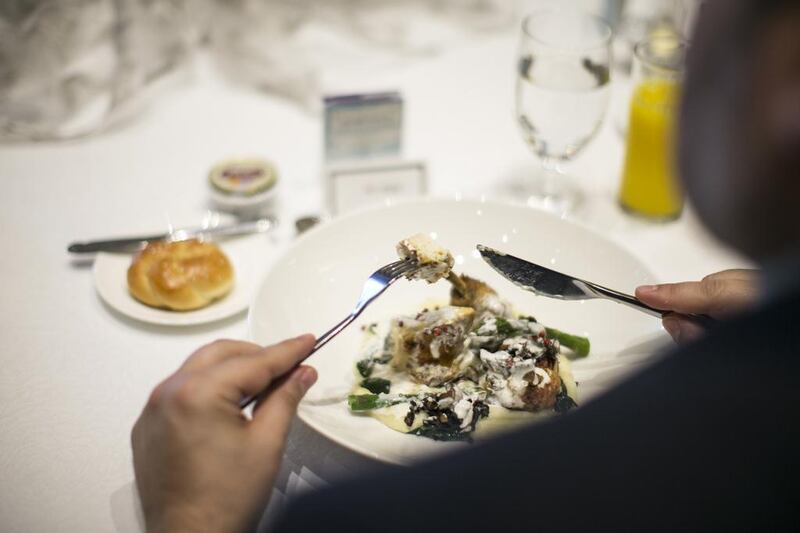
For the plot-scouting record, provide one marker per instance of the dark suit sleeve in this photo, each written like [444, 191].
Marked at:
[706, 439]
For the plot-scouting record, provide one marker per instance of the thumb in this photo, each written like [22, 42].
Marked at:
[250, 373]
[682, 330]
[274, 414]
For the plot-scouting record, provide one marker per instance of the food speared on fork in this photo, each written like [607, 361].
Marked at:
[434, 262]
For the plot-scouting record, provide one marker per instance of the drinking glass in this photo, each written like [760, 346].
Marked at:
[562, 92]
[649, 181]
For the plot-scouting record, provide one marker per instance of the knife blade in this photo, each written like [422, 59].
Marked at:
[546, 282]
[133, 244]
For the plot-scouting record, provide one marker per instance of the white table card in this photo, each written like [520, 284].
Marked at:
[360, 126]
[358, 185]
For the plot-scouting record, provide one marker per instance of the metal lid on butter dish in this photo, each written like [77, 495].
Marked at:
[243, 177]
[243, 186]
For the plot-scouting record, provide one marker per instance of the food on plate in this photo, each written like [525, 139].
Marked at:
[430, 345]
[440, 372]
[181, 275]
[434, 262]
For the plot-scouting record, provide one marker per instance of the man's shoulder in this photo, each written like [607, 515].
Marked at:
[678, 446]
[774, 327]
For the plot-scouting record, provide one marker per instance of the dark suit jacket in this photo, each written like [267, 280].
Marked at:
[706, 439]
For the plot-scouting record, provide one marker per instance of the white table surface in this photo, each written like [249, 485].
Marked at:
[74, 374]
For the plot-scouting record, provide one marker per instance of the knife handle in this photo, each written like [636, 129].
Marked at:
[112, 245]
[134, 244]
[704, 321]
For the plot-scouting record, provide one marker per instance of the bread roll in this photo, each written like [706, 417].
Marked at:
[181, 276]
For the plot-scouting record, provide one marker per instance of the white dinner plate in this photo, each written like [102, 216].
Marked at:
[317, 282]
[249, 256]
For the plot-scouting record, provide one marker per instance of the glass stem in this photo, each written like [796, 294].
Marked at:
[550, 176]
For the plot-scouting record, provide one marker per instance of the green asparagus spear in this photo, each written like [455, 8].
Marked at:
[579, 345]
[368, 402]
[364, 402]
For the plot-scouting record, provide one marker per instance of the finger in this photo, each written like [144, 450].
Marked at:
[273, 416]
[251, 373]
[682, 330]
[714, 296]
[744, 274]
[215, 352]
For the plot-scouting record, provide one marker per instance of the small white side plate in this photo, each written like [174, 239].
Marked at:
[249, 256]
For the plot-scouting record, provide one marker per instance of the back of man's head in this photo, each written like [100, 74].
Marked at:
[740, 124]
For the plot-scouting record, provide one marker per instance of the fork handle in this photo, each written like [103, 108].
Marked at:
[380, 279]
[322, 340]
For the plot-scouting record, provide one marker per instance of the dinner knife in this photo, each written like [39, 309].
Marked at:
[545, 282]
[133, 244]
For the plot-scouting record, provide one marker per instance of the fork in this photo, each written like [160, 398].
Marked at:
[378, 282]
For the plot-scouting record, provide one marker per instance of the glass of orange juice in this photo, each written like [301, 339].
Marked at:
[650, 186]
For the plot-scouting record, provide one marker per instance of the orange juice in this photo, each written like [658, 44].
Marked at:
[649, 182]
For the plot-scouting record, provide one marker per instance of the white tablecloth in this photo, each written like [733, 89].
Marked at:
[74, 374]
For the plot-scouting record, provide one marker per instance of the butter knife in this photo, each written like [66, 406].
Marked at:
[545, 282]
[133, 244]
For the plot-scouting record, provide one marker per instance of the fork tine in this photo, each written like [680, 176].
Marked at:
[392, 269]
[409, 266]
[403, 268]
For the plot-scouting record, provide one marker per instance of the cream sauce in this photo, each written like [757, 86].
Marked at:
[500, 418]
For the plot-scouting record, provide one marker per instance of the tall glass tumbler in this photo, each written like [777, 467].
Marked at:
[650, 186]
